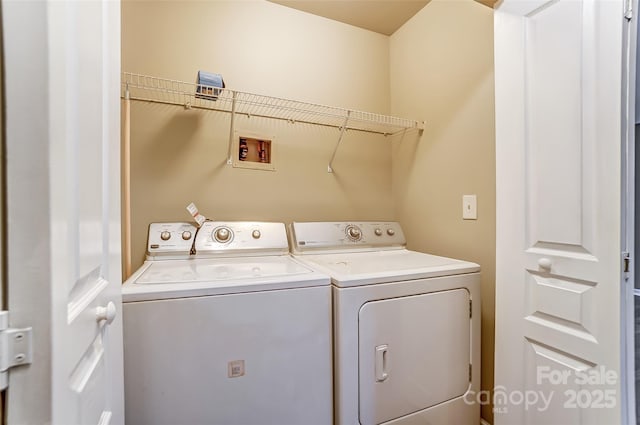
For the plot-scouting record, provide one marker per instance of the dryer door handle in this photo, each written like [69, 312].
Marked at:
[382, 359]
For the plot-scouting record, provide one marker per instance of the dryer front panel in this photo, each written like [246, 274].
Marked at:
[414, 353]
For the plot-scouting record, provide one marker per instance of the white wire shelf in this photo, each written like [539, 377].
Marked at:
[190, 95]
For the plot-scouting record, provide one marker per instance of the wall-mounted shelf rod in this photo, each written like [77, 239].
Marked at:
[153, 89]
[189, 95]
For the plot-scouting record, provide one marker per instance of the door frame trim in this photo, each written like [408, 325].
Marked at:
[627, 220]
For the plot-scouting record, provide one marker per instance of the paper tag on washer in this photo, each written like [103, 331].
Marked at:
[193, 210]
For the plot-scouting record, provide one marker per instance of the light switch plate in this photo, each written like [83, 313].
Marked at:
[469, 207]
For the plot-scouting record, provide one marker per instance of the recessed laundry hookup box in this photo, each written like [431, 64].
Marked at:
[253, 151]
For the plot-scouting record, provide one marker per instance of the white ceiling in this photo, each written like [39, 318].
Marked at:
[382, 16]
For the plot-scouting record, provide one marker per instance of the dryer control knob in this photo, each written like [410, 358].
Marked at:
[256, 234]
[165, 236]
[186, 235]
[378, 232]
[222, 234]
[391, 232]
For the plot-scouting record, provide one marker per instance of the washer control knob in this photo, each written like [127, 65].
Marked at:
[256, 234]
[391, 232]
[378, 232]
[222, 234]
[186, 235]
[353, 233]
[165, 236]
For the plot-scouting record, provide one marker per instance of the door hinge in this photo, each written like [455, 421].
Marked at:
[15, 348]
[470, 374]
[628, 9]
[626, 264]
[470, 309]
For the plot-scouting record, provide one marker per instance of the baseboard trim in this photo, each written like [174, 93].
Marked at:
[483, 422]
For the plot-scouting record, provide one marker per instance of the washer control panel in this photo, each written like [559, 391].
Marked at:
[170, 240]
[311, 236]
[216, 238]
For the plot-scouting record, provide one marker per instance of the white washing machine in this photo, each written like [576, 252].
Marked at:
[406, 325]
[237, 333]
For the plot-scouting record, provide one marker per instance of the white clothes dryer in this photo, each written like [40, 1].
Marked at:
[238, 333]
[406, 325]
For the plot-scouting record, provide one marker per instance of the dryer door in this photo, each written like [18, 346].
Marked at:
[414, 352]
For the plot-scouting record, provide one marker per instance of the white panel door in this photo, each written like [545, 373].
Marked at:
[62, 69]
[558, 150]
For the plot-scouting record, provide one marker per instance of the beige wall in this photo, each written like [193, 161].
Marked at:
[438, 68]
[178, 156]
[442, 70]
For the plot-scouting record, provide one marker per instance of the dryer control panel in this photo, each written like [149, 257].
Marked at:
[314, 236]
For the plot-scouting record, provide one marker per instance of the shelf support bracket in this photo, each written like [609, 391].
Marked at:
[232, 127]
[335, 150]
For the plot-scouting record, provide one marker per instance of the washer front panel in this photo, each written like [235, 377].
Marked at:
[262, 358]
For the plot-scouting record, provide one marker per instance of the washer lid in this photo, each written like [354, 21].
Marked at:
[199, 277]
[365, 268]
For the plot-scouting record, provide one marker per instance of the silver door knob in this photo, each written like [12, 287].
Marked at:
[107, 313]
